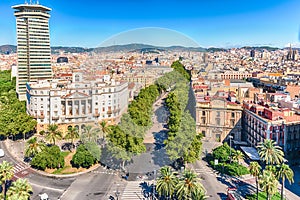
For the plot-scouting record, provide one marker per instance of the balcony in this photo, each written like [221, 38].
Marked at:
[55, 117]
[109, 112]
[96, 114]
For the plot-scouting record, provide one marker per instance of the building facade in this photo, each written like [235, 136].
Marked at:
[217, 117]
[76, 103]
[33, 41]
[282, 125]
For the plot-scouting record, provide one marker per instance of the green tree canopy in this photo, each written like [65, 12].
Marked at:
[49, 157]
[83, 158]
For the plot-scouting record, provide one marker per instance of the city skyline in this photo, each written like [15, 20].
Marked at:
[217, 23]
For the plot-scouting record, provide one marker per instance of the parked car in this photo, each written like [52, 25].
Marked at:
[1, 153]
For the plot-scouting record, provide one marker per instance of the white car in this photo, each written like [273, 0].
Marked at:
[1, 153]
[44, 196]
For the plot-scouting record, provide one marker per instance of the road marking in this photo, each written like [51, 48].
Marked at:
[46, 187]
[132, 191]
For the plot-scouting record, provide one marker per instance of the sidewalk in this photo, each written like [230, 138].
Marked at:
[15, 148]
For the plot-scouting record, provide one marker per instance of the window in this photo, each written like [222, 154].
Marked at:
[203, 133]
[218, 137]
[76, 78]
[218, 114]
[232, 122]
[203, 113]
[218, 121]
[203, 120]
[232, 114]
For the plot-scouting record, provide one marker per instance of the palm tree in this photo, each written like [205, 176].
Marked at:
[90, 133]
[198, 194]
[188, 186]
[53, 134]
[6, 173]
[238, 156]
[33, 147]
[72, 134]
[270, 152]
[255, 169]
[20, 190]
[268, 183]
[104, 128]
[166, 182]
[285, 172]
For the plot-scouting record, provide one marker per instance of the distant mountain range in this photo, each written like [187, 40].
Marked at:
[131, 48]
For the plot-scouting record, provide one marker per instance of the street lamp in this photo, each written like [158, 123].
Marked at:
[153, 190]
[117, 192]
[230, 137]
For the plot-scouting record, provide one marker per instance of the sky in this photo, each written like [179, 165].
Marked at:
[208, 23]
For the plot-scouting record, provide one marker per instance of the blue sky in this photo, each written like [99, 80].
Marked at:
[219, 23]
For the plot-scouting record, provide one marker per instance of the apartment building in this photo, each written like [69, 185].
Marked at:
[262, 121]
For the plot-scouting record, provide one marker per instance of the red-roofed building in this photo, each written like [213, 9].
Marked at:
[282, 125]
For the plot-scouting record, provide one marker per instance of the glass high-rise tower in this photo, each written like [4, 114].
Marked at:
[33, 40]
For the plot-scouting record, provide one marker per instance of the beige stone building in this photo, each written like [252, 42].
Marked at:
[217, 117]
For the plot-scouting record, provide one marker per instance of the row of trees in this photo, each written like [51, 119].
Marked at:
[13, 118]
[183, 141]
[140, 110]
[19, 189]
[175, 113]
[171, 185]
[186, 144]
[177, 66]
[272, 169]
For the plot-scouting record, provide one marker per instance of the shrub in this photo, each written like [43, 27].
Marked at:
[83, 158]
[233, 169]
[49, 157]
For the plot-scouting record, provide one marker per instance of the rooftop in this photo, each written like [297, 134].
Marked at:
[31, 6]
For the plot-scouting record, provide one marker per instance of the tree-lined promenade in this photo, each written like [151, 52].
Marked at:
[119, 143]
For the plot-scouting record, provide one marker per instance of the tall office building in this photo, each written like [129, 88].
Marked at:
[33, 40]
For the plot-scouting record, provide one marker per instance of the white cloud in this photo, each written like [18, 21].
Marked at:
[294, 45]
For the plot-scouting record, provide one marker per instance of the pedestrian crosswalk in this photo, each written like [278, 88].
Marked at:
[20, 167]
[104, 172]
[132, 191]
[201, 171]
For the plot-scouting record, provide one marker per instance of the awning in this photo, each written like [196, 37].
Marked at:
[251, 153]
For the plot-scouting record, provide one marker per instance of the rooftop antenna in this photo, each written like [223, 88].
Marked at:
[37, 2]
